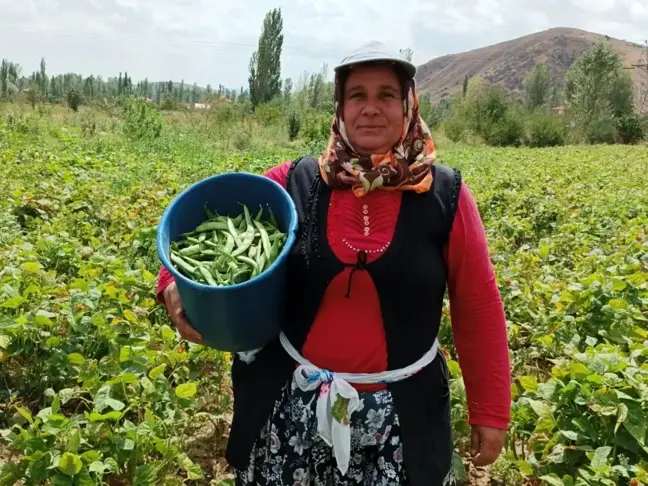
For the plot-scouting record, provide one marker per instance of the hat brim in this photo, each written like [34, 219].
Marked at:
[408, 67]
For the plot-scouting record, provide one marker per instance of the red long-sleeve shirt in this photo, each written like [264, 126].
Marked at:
[348, 333]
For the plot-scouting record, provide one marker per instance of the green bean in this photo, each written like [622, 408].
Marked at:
[273, 220]
[264, 238]
[206, 275]
[182, 264]
[212, 225]
[247, 241]
[234, 233]
[229, 245]
[259, 215]
[190, 250]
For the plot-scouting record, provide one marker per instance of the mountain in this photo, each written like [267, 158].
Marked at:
[507, 63]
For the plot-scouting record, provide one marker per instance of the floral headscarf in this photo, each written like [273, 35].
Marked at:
[408, 166]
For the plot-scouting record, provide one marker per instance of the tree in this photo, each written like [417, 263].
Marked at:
[33, 94]
[288, 87]
[465, 85]
[599, 92]
[265, 63]
[74, 99]
[538, 87]
[408, 53]
[43, 77]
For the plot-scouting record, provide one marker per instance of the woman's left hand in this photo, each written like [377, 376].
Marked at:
[487, 444]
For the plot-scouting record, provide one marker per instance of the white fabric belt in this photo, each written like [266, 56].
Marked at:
[338, 399]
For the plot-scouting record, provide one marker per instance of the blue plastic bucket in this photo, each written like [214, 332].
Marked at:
[239, 317]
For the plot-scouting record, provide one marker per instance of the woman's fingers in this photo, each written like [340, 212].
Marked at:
[487, 444]
[178, 317]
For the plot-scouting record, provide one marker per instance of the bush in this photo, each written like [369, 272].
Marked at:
[601, 130]
[455, 129]
[142, 120]
[294, 125]
[631, 128]
[545, 130]
[268, 114]
[74, 99]
[508, 131]
[22, 123]
[316, 128]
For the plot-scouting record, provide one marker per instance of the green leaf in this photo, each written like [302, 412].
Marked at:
[453, 368]
[622, 415]
[186, 390]
[618, 284]
[70, 464]
[591, 341]
[529, 383]
[127, 444]
[596, 379]
[157, 372]
[43, 318]
[168, 334]
[31, 267]
[74, 441]
[618, 304]
[145, 475]
[26, 414]
[635, 423]
[130, 316]
[56, 404]
[557, 455]
[459, 468]
[600, 457]
[76, 359]
[98, 321]
[579, 370]
[80, 284]
[540, 408]
[553, 480]
[90, 457]
[194, 472]
[102, 400]
[547, 390]
[13, 302]
[546, 340]
[110, 416]
[570, 435]
[97, 467]
[84, 479]
[568, 480]
[66, 394]
[546, 424]
[147, 385]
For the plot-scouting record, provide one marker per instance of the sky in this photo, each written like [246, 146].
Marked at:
[211, 41]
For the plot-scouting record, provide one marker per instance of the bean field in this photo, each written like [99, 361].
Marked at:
[96, 387]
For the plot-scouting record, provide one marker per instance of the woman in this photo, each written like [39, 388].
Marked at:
[383, 232]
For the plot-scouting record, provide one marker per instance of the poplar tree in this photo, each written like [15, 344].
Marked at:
[265, 63]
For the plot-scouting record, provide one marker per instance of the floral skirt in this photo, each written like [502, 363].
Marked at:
[289, 451]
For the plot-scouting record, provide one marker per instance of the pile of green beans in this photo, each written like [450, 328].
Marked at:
[226, 251]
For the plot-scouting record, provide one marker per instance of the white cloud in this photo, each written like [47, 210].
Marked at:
[211, 42]
[595, 6]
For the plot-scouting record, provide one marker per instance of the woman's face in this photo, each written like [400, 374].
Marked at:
[373, 109]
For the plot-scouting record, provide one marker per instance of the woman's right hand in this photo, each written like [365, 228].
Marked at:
[178, 317]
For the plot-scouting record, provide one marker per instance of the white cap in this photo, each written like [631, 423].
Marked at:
[377, 51]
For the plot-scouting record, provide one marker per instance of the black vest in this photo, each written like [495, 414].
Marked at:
[410, 278]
